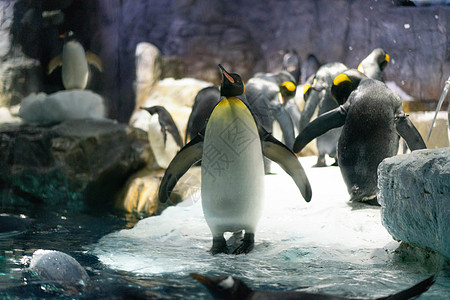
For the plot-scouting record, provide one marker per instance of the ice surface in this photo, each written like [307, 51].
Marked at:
[62, 106]
[326, 244]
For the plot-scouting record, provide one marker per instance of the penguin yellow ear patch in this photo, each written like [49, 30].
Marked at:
[306, 88]
[289, 85]
[386, 57]
[340, 78]
[360, 68]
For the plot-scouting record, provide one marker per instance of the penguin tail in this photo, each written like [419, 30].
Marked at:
[413, 291]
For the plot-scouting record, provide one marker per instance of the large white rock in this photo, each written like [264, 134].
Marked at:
[62, 106]
[415, 198]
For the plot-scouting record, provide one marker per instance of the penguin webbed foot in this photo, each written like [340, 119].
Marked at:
[219, 245]
[321, 162]
[247, 245]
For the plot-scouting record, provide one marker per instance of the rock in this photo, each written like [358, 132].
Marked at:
[62, 106]
[56, 267]
[76, 163]
[414, 198]
[140, 194]
[7, 117]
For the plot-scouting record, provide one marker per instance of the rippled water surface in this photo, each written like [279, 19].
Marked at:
[324, 246]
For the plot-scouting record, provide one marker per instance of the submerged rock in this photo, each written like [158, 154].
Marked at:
[414, 198]
[73, 163]
[56, 267]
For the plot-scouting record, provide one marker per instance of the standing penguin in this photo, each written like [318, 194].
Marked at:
[74, 63]
[318, 94]
[292, 64]
[231, 150]
[232, 288]
[373, 119]
[163, 135]
[204, 103]
[374, 64]
[268, 95]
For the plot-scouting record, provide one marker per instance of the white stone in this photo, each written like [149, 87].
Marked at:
[415, 198]
[62, 106]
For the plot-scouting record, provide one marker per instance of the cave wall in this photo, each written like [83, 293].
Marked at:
[246, 36]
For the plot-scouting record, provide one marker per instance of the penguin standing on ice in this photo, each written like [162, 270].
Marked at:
[232, 288]
[163, 135]
[231, 149]
[74, 63]
[373, 119]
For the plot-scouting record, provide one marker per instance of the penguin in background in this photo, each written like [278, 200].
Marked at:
[292, 64]
[374, 64]
[372, 120]
[317, 94]
[269, 95]
[163, 135]
[309, 67]
[231, 148]
[204, 103]
[232, 288]
[74, 62]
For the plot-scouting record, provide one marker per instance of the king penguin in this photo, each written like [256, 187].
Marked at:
[232, 288]
[373, 119]
[163, 135]
[374, 64]
[231, 149]
[74, 63]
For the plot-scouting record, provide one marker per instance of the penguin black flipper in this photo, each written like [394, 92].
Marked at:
[406, 129]
[94, 60]
[282, 155]
[332, 119]
[413, 291]
[54, 63]
[188, 156]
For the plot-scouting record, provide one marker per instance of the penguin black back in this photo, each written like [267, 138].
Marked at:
[167, 123]
[204, 103]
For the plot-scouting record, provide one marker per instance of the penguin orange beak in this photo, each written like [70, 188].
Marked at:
[205, 280]
[225, 74]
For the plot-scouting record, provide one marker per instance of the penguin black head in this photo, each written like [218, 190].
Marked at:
[224, 287]
[308, 87]
[344, 84]
[287, 90]
[68, 36]
[231, 85]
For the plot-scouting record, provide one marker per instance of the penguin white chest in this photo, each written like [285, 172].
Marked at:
[75, 70]
[164, 151]
[232, 169]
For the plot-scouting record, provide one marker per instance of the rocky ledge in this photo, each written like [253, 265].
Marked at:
[415, 198]
[74, 163]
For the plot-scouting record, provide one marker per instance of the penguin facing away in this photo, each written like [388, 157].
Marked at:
[373, 119]
[232, 288]
[204, 103]
[74, 63]
[231, 149]
[163, 135]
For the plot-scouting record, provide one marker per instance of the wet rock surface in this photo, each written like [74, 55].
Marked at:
[414, 198]
[74, 163]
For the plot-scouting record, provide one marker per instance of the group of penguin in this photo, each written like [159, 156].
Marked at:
[229, 131]
[359, 123]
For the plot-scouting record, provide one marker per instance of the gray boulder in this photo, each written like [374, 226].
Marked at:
[415, 198]
[73, 164]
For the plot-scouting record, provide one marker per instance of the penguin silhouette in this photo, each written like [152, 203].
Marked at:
[232, 288]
